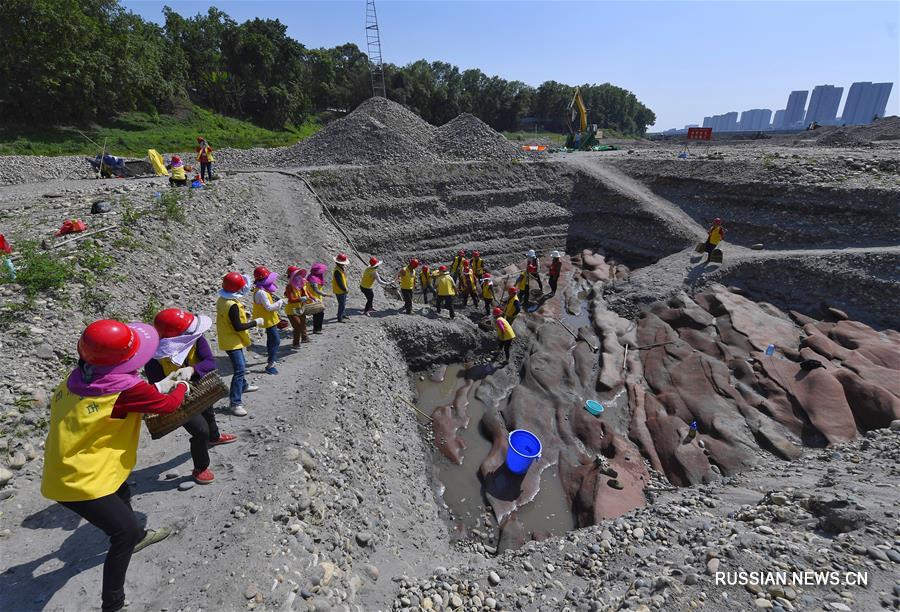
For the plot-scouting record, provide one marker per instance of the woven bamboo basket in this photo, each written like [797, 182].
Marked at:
[204, 393]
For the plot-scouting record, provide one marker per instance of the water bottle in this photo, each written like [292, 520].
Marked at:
[770, 350]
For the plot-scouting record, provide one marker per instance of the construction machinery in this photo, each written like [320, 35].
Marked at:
[582, 138]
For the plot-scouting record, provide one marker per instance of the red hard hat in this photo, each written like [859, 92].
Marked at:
[462, 252]
[172, 322]
[717, 221]
[107, 343]
[176, 158]
[442, 269]
[291, 270]
[486, 275]
[233, 282]
[373, 261]
[497, 312]
[476, 254]
[260, 273]
[413, 263]
[424, 268]
[513, 290]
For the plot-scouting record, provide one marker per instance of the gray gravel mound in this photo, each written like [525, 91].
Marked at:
[468, 137]
[887, 128]
[377, 132]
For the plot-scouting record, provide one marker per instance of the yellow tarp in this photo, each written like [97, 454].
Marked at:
[156, 160]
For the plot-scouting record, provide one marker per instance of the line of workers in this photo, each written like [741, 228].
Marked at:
[96, 412]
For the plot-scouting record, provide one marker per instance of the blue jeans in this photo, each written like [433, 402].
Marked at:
[239, 382]
[273, 339]
[206, 171]
[342, 303]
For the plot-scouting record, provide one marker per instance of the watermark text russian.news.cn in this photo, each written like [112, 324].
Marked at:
[804, 578]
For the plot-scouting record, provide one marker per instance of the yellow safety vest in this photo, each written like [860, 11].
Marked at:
[209, 154]
[292, 308]
[445, 285]
[88, 454]
[504, 329]
[457, 261]
[487, 291]
[510, 311]
[715, 235]
[178, 173]
[478, 266]
[522, 281]
[368, 278]
[407, 278]
[334, 285]
[270, 317]
[469, 278]
[229, 338]
[313, 291]
[425, 279]
[168, 366]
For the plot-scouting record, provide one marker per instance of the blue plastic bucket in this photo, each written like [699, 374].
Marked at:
[524, 447]
[594, 407]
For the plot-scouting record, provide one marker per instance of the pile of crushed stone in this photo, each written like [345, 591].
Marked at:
[468, 137]
[382, 132]
[887, 128]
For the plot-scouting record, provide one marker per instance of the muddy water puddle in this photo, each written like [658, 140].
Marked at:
[459, 485]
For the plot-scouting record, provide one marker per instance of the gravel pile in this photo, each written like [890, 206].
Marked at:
[377, 132]
[856, 135]
[16, 169]
[468, 137]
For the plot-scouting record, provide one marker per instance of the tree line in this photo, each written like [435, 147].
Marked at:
[81, 61]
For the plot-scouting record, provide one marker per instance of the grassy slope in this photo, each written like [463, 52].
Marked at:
[132, 134]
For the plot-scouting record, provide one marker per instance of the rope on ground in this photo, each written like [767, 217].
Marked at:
[413, 406]
[80, 236]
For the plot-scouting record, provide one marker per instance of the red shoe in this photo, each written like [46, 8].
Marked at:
[204, 477]
[223, 439]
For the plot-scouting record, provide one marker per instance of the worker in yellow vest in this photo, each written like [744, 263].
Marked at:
[315, 291]
[446, 290]
[426, 282]
[715, 235]
[205, 157]
[513, 306]
[182, 346]
[265, 307]
[477, 264]
[505, 333]
[232, 333]
[179, 177]
[523, 284]
[487, 292]
[468, 287]
[456, 264]
[339, 285]
[407, 278]
[367, 283]
[93, 435]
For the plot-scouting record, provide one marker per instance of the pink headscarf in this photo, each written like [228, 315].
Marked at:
[268, 283]
[317, 273]
[298, 278]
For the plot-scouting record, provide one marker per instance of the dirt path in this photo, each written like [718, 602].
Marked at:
[649, 201]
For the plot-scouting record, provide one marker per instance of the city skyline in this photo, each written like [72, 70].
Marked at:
[865, 101]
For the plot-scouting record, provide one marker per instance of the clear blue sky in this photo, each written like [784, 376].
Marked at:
[683, 59]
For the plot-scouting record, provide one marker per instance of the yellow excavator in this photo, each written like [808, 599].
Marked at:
[582, 139]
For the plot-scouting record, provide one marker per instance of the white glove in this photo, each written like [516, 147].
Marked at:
[279, 303]
[187, 385]
[259, 322]
[166, 384]
[184, 373]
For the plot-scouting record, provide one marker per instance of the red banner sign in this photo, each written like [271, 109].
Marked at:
[699, 133]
